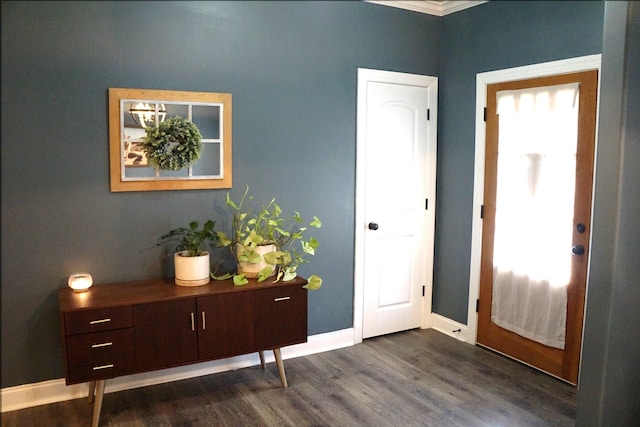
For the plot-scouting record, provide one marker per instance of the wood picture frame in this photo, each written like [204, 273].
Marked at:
[128, 167]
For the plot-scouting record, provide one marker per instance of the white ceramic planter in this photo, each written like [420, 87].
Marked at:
[251, 270]
[191, 270]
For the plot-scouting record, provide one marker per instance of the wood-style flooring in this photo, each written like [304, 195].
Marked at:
[412, 378]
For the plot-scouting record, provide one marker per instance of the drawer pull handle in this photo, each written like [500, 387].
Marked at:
[104, 344]
[95, 322]
[281, 299]
[204, 322]
[193, 322]
[97, 368]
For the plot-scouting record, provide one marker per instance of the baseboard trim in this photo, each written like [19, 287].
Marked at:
[450, 327]
[52, 391]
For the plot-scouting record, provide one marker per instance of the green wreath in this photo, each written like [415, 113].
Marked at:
[173, 145]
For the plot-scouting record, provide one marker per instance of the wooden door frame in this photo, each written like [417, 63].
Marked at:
[366, 75]
[584, 63]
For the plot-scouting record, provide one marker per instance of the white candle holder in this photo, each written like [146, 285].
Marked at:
[80, 282]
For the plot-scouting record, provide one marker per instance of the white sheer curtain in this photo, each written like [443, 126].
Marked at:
[534, 210]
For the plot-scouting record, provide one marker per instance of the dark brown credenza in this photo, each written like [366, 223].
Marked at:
[133, 327]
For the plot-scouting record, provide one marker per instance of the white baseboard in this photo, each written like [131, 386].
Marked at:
[450, 327]
[45, 392]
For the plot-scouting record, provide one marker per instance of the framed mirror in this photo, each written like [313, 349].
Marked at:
[132, 111]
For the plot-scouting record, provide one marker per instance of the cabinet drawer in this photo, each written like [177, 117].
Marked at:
[281, 316]
[100, 355]
[280, 298]
[103, 319]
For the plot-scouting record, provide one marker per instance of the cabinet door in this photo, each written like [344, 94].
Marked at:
[165, 333]
[226, 325]
[281, 316]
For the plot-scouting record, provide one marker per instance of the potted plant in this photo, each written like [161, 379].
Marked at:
[266, 242]
[191, 259]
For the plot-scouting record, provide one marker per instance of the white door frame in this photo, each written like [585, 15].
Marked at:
[583, 63]
[364, 76]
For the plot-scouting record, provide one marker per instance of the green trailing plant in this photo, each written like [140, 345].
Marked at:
[191, 240]
[174, 144]
[268, 224]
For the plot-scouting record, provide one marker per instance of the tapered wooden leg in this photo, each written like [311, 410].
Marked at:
[97, 405]
[283, 376]
[92, 391]
[261, 353]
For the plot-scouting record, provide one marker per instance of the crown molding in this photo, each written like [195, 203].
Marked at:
[431, 7]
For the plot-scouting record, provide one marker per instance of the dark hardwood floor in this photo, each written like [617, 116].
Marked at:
[413, 378]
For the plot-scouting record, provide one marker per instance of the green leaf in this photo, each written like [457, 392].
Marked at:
[314, 283]
[250, 256]
[285, 258]
[231, 202]
[316, 222]
[255, 258]
[240, 280]
[224, 240]
[313, 243]
[271, 257]
[223, 277]
[255, 238]
[265, 273]
[289, 274]
[307, 248]
[282, 231]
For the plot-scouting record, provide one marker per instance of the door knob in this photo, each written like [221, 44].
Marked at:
[373, 226]
[577, 250]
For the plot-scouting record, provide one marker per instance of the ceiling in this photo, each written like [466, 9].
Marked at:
[431, 7]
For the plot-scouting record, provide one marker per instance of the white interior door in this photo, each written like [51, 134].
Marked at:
[397, 123]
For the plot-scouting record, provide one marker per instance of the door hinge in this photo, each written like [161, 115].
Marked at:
[485, 114]
[481, 211]
[428, 113]
[477, 305]
[426, 204]
[423, 290]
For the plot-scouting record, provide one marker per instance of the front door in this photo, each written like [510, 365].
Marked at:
[540, 137]
[398, 187]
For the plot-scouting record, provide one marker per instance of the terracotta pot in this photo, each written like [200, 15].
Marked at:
[191, 270]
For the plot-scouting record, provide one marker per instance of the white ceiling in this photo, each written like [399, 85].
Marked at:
[432, 7]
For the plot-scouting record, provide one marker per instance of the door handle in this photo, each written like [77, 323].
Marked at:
[373, 226]
[577, 250]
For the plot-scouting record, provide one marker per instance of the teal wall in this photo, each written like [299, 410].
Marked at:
[291, 67]
[292, 70]
[494, 36]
